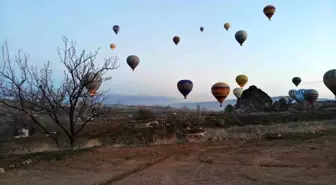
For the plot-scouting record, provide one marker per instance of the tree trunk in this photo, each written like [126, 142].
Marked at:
[72, 141]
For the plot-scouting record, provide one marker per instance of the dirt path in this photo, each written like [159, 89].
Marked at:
[287, 162]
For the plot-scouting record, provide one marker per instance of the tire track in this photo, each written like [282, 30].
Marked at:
[131, 172]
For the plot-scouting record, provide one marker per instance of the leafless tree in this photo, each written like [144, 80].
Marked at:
[25, 88]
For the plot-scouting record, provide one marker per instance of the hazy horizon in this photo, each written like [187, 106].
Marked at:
[297, 42]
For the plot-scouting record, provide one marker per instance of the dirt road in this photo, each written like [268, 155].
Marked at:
[229, 162]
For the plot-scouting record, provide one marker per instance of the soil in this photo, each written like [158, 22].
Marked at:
[236, 162]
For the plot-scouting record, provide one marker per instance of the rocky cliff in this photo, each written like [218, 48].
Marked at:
[254, 99]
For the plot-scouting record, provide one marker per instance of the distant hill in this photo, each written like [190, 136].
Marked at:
[139, 100]
[174, 102]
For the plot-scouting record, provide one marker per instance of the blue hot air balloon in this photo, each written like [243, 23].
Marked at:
[185, 87]
[299, 95]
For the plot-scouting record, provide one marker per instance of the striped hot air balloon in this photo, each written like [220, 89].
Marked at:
[220, 91]
[329, 80]
[311, 95]
[292, 93]
[185, 87]
[299, 95]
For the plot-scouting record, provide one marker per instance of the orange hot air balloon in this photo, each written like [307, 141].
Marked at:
[113, 46]
[92, 82]
[241, 80]
[220, 91]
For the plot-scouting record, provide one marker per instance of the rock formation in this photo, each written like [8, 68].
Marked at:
[254, 99]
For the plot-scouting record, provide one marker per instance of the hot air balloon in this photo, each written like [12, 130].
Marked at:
[185, 87]
[269, 11]
[296, 81]
[241, 36]
[112, 46]
[292, 93]
[227, 26]
[220, 91]
[176, 39]
[311, 95]
[237, 92]
[133, 61]
[241, 80]
[329, 79]
[299, 95]
[202, 29]
[92, 82]
[116, 29]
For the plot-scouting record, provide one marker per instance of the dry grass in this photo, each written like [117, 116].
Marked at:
[259, 131]
[244, 133]
[44, 147]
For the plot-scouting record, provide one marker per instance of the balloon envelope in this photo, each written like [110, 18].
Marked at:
[241, 80]
[311, 95]
[299, 95]
[116, 29]
[112, 46]
[176, 40]
[185, 87]
[329, 79]
[92, 82]
[269, 11]
[292, 93]
[227, 26]
[220, 91]
[202, 29]
[296, 81]
[241, 36]
[133, 61]
[237, 92]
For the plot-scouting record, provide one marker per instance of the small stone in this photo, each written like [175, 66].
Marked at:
[2, 171]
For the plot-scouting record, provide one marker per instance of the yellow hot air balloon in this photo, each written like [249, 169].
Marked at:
[113, 46]
[241, 80]
[329, 80]
[220, 91]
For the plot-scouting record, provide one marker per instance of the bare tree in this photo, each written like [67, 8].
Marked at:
[25, 88]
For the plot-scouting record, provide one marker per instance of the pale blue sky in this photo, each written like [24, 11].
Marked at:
[299, 41]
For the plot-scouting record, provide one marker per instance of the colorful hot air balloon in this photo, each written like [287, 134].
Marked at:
[237, 92]
[185, 87]
[292, 93]
[269, 11]
[241, 80]
[329, 79]
[176, 40]
[112, 46]
[220, 91]
[133, 61]
[299, 95]
[92, 82]
[116, 29]
[202, 29]
[296, 81]
[227, 26]
[311, 95]
[241, 36]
